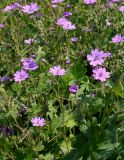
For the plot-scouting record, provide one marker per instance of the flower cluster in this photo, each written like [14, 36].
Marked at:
[38, 122]
[28, 64]
[97, 58]
[29, 9]
[65, 23]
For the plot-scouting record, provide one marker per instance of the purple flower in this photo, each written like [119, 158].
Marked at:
[29, 41]
[29, 64]
[73, 89]
[89, 1]
[38, 122]
[121, 8]
[100, 74]
[118, 38]
[2, 25]
[74, 39]
[97, 57]
[20, 76]
[6, 131]
[11, 7]
[68, 61]
[33, 7]
[65, 23]
[56, 1]
[57, 71]
[5, 79]
[66, 14]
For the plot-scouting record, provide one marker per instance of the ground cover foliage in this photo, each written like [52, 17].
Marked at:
[61, 80]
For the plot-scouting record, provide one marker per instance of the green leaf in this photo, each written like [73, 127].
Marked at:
[17, 86]
[46, 157]
[78, 71]
[3, 96]
[66, 146]
[99, 102]
[71, 123]
[118, 90]
[39, 147]
[108, 146]
[83, 128]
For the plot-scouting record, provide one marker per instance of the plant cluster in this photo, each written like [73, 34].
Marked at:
[62, 80]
